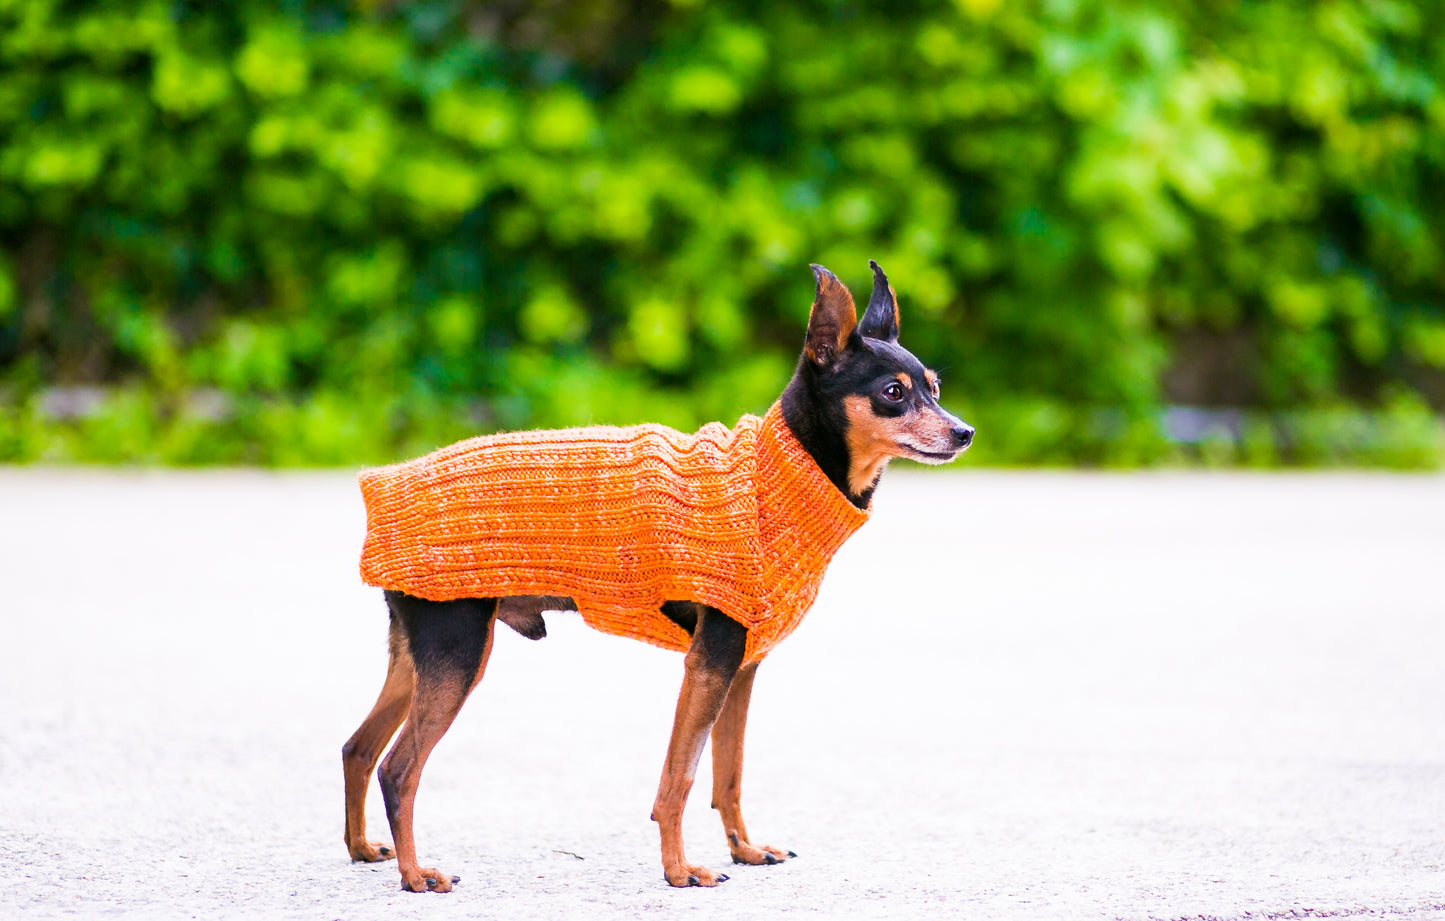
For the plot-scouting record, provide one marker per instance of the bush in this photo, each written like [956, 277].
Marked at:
[351, 232]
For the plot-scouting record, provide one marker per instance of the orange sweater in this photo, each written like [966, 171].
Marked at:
[618, 519]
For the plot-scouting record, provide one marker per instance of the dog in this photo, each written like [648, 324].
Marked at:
[773, 499]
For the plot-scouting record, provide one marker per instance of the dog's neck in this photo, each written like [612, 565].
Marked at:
[821, 433]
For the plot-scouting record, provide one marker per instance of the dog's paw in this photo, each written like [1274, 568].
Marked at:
[424, 879]
[372, 851]
[684, 875]
[746, 853]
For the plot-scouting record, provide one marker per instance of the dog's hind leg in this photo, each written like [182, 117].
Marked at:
[727, 772]
[718, 643]
[361, 752]
[449, 644]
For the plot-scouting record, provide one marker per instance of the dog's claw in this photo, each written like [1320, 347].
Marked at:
[749, 855]
[371, 851]
[723, 877]
[691, 875]
[428, 880]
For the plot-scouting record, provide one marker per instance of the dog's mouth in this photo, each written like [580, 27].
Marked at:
[931, 457]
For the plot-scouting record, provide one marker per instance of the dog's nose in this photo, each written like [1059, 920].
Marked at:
[963, 435]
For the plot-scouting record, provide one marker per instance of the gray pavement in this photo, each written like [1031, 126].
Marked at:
[1021, 695]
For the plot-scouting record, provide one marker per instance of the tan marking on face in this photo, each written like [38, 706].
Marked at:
[932, 379]
[872, 442]
[933, 433]
[907, 381]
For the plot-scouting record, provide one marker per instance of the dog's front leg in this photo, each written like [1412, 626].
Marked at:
[711, 664]
[727, 772]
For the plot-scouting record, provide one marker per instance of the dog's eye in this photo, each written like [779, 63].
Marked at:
[935, 389]
[893, 393]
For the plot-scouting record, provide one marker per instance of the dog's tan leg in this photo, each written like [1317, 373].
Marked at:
[711, 662]
[727, 772]
[450, 643]
[361, 752]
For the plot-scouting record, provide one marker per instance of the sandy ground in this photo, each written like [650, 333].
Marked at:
[1020, 696]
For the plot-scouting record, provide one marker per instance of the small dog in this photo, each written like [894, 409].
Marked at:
[723, 567]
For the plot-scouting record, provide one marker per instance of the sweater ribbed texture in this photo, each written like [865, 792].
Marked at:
[618, 519]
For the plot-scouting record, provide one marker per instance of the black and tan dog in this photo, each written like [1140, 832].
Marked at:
[856, 400]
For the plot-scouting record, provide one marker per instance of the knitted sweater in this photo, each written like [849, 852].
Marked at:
[618, 519]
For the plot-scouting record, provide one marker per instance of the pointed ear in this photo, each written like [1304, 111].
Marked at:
[880, 320]
[831, 320]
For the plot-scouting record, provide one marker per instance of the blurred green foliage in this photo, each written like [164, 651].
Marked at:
[302, 232]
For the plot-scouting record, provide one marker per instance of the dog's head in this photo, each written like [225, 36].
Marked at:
[881, 398]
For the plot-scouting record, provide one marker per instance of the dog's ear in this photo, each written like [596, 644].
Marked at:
[831, 320]
[880, 320]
